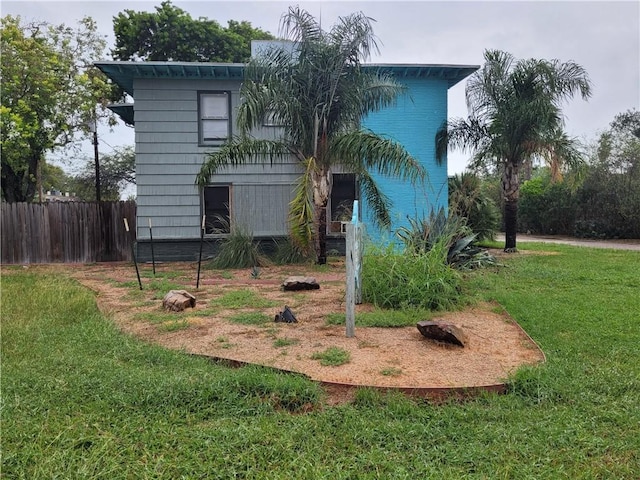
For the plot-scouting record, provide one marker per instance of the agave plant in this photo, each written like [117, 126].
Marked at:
[450, 233]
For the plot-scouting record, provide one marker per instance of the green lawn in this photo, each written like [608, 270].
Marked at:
[80, 400]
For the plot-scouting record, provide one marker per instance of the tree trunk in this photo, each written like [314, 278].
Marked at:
[321, 245]
[321, 194]
[14, 185]
[511, 194]
[510, 225]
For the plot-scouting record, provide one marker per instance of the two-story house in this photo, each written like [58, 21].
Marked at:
[182, 110]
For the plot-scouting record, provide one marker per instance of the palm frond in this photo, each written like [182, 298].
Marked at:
[354, 34]
[300, 26]
[470, 134]
[379, 91]
[378, 202]
[366, 150]
[301, 210]
[241, 151]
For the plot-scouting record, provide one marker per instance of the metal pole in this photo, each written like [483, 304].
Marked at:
[153, 258]
[97, 160]
[133, 254]
[200, 255]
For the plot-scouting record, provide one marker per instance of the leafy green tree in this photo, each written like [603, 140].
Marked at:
[609, 197]
[117, 170]
[170, 34]
[55, 178]
[49, 93]
[319, 93]
[619, 147]
[515, 114]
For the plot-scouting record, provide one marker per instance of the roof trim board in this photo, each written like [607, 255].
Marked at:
[123, 73]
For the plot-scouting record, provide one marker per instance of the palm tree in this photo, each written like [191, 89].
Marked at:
[515, 115]
[319, 92]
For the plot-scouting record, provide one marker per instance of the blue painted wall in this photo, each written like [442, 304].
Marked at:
[413, 122]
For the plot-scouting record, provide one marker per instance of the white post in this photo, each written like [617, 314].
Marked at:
[350, 299]
[357, 252]
[353, 262]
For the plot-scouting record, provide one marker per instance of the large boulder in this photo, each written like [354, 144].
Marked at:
[300, 283]
[442, 332]
[178, 300]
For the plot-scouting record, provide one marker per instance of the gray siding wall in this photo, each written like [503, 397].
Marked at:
[168, 159]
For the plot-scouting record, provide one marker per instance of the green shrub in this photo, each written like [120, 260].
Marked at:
[469, 198]
[546, 207]
[609, 205]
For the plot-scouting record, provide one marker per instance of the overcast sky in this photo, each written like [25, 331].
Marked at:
[603, 37]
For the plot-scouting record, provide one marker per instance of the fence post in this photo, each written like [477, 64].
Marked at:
[353, 293]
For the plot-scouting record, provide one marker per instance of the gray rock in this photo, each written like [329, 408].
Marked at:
[443, 332]
[178, 300]
[300, 283]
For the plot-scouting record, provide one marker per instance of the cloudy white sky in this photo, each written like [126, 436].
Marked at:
[604, 37]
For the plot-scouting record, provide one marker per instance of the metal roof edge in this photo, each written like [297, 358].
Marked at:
[124, 72]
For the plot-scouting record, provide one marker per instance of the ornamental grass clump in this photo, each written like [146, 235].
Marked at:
[239, 250]
[406, 280]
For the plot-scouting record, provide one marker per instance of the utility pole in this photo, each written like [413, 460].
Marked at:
[94, 129]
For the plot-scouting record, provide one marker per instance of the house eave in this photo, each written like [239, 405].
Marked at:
[124, 111]
[453, 74]
[123, 73]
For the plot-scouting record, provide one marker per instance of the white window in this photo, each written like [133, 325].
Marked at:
[217, 209]
[214, 108]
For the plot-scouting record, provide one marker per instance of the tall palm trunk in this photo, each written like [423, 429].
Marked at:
[321, 191]
[511, 194]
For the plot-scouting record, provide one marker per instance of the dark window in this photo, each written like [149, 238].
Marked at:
[217, 209]
[343, 193]
[213, 111]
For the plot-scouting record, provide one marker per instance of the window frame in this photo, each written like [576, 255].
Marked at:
[201, 119]
[334, 227]
[229, 210]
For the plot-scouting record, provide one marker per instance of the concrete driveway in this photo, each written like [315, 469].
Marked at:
[631, 244]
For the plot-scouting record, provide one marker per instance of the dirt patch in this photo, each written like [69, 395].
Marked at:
[397, 358]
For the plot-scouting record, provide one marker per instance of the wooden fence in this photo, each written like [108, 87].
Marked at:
[66, 232]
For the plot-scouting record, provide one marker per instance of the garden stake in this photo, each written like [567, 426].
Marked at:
[153, 258]
[200, 255]
[133, 253]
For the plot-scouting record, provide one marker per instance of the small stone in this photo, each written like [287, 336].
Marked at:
[178, 300]
[443, 332]
[300, 283]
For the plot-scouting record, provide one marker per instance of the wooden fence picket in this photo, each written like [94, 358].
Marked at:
[65, 232]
